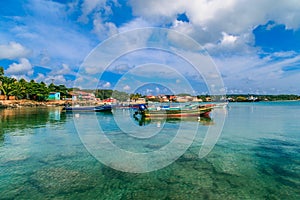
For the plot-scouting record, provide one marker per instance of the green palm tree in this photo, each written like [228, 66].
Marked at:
[7, 86]
[1, 71]
[22, 88]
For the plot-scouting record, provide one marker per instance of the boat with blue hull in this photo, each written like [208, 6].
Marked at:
[103, 108]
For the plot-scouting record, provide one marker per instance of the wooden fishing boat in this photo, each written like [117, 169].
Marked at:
[174, 112]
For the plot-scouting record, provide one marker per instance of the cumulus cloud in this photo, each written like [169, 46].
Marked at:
[89, 6]
[52, 36]
[157, 90]
[13, 50]
[98, 12]
[56, 79]
[40, 77]
[224, 28]
[252, 74]
[65, 69]
[107, 85]
[21, 68]
[126, 87]
[228, 39]
[134, 24]
[158, 11]
[104, 29]
[209, 20]
[120, 68]
[44, 57]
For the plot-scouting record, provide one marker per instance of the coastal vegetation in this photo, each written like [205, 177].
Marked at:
[22, 89]
[252, 97]
[11, 88]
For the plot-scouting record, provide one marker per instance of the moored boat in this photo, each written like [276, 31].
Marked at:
[174, 112]
[221, 105]
[103, 108]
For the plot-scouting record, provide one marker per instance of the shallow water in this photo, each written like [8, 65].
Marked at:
[257, 156]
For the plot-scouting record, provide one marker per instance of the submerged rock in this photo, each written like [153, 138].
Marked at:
[61, 180]
[153, 146]
[189, 157]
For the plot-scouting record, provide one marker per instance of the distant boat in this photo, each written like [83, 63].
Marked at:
[103, 108]
[221, 105]
[174, 112]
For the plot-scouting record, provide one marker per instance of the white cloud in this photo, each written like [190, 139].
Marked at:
[40, 77]
[107, 85]
[104, 29]
[252, 74]
[149, 91]
[228, 39]
[284, 54]
[117, 46]
[224, 28]
[21, 68]
[23, 76]
[56, 79]
[126, 87]
[120, 68]
[135, 23]
[156, 10]
[183, 27]
[209, 19]
[53, 37]
[90, 6]
[44, 57]
[59, 79]
[13, 50]
[157, 90]
[65, 69]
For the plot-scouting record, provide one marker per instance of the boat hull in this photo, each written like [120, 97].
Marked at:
[104, 108]
[202, 111]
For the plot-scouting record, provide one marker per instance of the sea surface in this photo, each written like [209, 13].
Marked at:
[44, 154]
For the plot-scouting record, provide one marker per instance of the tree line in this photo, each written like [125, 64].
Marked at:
[21, 89]
[278, 97]
[121, 96]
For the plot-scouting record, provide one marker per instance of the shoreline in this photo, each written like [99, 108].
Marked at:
[263, 101]
[10, 104]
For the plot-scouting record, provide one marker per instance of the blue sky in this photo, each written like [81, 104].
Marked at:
[254, 44]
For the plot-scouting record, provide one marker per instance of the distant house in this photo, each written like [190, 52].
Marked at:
[172, 98]
[151, 97]
[109, 100]
[82, 96]
[54, 96]
[140, 100]
[181, 99]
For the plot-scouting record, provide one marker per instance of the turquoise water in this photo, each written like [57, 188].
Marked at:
[257, 156]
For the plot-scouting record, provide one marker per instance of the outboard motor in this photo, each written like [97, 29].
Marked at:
[142, 107]
[139, 115]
